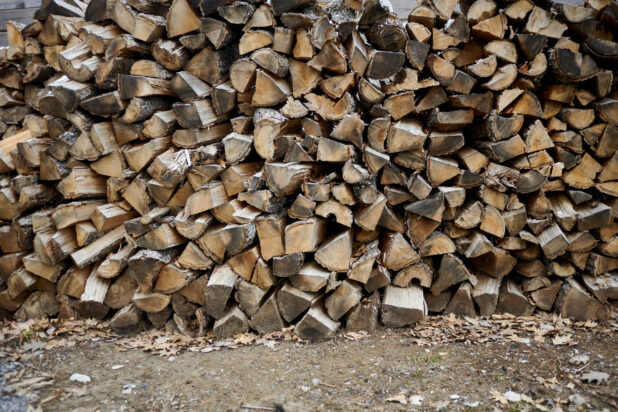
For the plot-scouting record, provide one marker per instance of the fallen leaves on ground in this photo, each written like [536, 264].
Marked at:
[78, 391]
[245, 338]
[498, 397]
[538, 328]
[35, 335]
[579, 359]
[161, 343]
[404, 399]
[514, 397]
[356, 335]
[563, 340]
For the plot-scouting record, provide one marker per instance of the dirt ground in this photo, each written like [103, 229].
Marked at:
[509, 365]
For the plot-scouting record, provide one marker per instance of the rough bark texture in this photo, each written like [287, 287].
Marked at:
[290, 162]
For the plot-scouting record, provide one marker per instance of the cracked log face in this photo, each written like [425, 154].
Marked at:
[261, 165]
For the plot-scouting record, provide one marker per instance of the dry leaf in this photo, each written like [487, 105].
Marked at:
[416, 400]
[497, 396]
[526, 398]
[400, 398]
[33, 345]
[579, 359]
[562, 340]
[266, 342]
[595, 377]
[55, 343]
[441, 404]
[512, 396]
[355, 335]
[245, 338]
[79, 391]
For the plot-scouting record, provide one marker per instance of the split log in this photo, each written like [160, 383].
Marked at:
[364, 316]
[402, 306]
[345, 297]
[234, 321]
[575, 302]
[316, 325]
[512, 300]
[293, 302]
[461, 302]
[486, 293]
[128, 321]
[219, 289]
[452, 271]
[268, 319]
[288, 265]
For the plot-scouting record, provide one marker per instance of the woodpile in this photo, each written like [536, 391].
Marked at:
[207, 165]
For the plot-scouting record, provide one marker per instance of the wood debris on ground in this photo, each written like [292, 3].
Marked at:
[434, 330]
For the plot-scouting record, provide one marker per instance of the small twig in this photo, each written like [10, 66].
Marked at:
[18, 376]
[257, 407]
[34, 367]
[580, 369]
[33, 381]
[49, 399]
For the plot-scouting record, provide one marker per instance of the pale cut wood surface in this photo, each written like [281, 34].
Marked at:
[21, 11]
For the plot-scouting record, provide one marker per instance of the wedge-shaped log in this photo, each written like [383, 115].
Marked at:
[270, 231]
[211, 196]
[293, 302]
[310, 278]
[316, 325]
[397, 253]
[403, 306]
[163, 237]
[452, 271]
[461, 302]
[268, 319]
[286, 178]
[182, 18]
[232, 322]
[512, 300]
[304, 236]
[486, 293]
[347, 295]
[553, 242]
[575, 302]
[544, 298]
[220, 286]
[288, 265]
[97, 249]
[230, 239]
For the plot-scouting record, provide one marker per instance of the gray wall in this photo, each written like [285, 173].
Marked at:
[20, 11]
[403, 7]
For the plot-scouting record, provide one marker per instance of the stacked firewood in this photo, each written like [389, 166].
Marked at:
[256, 164]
